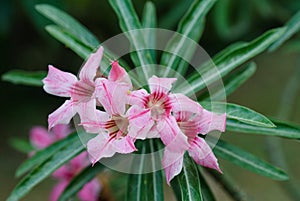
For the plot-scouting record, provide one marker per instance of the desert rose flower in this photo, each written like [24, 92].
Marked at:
[81, 92]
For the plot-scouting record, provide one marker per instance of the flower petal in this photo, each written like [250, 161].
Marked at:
[58, 82]
[174, 169]
[40, 137]
[112, 95]
[140, 122]
[63, 114]
[92, 120]
[90, 191]
[124, 145]
[119, 74]
[100, 147]
[89, 70]
[202, 154]
[161, 85]
[181, 103]
[138, 97]
[209, 121]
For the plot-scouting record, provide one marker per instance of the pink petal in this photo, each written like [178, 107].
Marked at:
[79, 162]
[90, 191]
[60, 131]
[124, 145]
[171, 133]
[99, 147]
[89, 70]
[113, 96]
[92, 120]
[39, 137]
[138, 97]
[57, 190]
[63, 114]
[157, 84]
[202, 154]
[174, 169]
[59, 83]
[181, 103]
[140, 122]
[119, 74]
[209, 121]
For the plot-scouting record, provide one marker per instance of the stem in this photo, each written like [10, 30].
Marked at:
[273, 145]
[229, 186]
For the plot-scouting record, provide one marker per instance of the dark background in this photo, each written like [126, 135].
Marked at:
[26, 45]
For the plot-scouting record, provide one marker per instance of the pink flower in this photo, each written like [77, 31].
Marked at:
[150, 114]
[81, 92]
[112, 125]
[41, 138]
[191, 125]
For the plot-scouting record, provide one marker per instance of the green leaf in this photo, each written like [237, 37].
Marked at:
[191, 27]
[205, 189]
[46, 168]
[282, 129]
[231, 83]
[231, 57]
[248, 161]
[149, 21]
[292, 27]
[130, 24]
[80, 180]
[240, 113]
[25, 77]
[186, 185]
[70, 41]
[149, 186]
[70, 24]
[21, 145]
[43, 155]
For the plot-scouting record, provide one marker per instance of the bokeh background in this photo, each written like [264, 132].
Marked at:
[26, 45]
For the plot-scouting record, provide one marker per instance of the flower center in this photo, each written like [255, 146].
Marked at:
[159, 104]
[82, 91]
[117, 126]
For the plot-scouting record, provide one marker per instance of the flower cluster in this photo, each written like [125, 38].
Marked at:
[40, 138]
[129, 114]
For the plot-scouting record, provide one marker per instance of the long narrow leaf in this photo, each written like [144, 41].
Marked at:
[240, 113]
[80, 180]
[231, 83]
[130, 24]
[282, 129]
[248, 161]
[292, 27]
[186, 185]
[24, 77]
[231, 59]
[191, 27]
[67, 22]
[45, 169]
[148, 187]
[41, 156]
[149, 21]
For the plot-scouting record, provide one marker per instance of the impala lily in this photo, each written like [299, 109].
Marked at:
[66, 84]
[112, 125]
[191, 125]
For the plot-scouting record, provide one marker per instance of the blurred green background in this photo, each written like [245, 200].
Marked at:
[26, 45]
